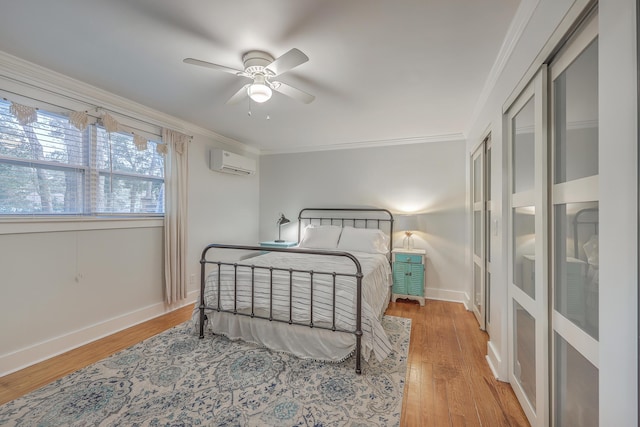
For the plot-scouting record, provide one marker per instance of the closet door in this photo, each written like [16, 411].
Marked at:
[488, 232]
[574, 245]
[479, 232]
[527, 273]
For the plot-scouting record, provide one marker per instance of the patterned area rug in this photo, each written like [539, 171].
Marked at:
[176, 379]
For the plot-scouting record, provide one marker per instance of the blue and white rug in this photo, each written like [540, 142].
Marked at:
[176, 379]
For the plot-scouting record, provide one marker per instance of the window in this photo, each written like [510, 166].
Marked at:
[49, 167]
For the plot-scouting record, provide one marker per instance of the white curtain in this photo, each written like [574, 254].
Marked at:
[175, 216]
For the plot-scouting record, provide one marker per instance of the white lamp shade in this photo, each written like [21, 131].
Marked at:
[259, 92]
[406, 223]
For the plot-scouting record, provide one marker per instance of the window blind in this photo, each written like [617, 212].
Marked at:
[49, 167]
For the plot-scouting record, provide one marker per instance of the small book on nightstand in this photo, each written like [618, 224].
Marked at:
[274, 244]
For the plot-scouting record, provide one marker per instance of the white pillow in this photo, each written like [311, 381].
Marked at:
[368, 240]
[321, 237]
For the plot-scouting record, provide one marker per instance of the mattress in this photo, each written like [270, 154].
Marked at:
[305, 342]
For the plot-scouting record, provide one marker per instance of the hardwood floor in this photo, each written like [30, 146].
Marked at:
[448, 380]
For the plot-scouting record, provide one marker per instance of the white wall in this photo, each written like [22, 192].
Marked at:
[57, 287]
[618, 213]
[618, 197]
[66, 283]
[223, 208]
[425, 178]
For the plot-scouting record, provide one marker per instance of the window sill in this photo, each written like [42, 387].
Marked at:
[24, 225]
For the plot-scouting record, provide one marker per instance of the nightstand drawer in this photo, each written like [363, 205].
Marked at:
[409, 258]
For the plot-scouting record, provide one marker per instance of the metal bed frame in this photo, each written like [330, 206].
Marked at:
[355, 218]
[577, 221]
[309, 218]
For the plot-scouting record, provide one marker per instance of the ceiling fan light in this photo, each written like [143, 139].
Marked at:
[259, 92]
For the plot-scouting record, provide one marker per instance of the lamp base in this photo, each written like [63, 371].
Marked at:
[408, 242]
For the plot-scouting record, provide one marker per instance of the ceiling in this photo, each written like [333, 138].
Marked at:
[382, 71]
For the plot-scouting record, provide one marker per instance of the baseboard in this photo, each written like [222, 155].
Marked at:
[467, 302]
[445, 295]
[33, 354]
[495, 361]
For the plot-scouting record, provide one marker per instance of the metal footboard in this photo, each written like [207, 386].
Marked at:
[246, 264]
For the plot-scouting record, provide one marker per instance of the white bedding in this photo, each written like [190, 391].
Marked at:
[303, 341]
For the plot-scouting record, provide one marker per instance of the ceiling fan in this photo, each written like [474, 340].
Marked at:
[261, 68]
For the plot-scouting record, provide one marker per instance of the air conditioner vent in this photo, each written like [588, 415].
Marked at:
[228, 162]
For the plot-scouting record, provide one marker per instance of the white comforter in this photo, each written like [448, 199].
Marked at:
[375, 288]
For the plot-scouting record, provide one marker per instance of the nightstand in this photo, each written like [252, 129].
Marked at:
[408, 274]
[273, 244]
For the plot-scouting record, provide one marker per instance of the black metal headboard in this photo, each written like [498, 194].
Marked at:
[589, 220]
[380, 219]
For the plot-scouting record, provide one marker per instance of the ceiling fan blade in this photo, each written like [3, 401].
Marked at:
[239, 95]
[292, 92]
[211, 65]
[287, 61]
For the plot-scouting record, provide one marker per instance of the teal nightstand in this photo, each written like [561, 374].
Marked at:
[408, 274]
[273, 244]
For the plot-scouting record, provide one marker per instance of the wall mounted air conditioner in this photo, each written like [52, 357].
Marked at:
[228, 162]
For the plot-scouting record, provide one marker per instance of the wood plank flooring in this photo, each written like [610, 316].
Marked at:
[448, 380]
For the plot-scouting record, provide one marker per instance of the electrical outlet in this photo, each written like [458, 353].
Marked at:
[192, 279]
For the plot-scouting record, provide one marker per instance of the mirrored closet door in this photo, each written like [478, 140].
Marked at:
[480, 167]
[553, 290]
[528, 267]
[575, 229]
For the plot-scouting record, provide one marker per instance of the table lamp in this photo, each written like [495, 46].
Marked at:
[280, 222]
[408, 224]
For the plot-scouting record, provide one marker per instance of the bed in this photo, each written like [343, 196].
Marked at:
[323, 299]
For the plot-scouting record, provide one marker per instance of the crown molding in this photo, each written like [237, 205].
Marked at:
[368, 144]
[514, 32]
[27, 73]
